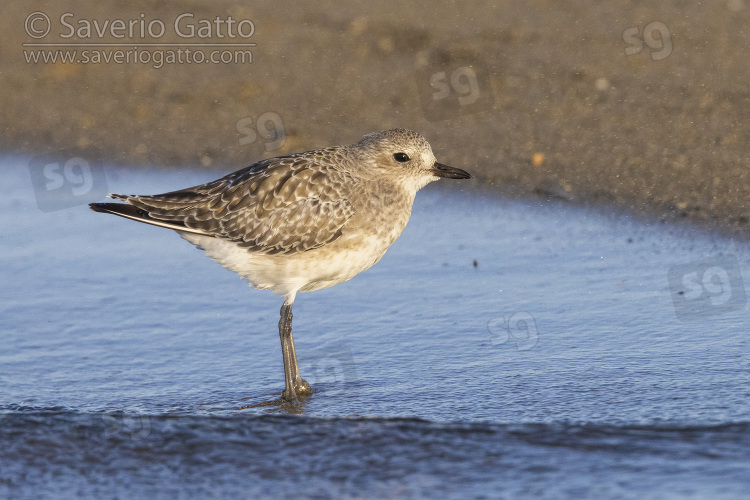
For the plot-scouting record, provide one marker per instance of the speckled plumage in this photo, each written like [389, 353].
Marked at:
[300, 222]
[249, 207]
[345, 202]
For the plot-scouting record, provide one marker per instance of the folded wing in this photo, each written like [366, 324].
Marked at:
[276, 206]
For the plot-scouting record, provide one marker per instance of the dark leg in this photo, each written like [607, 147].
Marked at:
[294, 384]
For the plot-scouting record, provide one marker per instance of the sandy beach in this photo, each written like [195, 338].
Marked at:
[642, 107]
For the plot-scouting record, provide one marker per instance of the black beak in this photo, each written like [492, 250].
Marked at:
[449, 172]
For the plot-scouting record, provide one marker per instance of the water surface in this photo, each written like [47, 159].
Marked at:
[500, 348]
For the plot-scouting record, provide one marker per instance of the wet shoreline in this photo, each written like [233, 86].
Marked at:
[570, 100]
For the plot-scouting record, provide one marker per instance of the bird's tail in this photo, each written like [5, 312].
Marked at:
[140, 215]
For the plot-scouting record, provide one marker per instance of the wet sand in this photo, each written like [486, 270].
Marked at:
[644, 107]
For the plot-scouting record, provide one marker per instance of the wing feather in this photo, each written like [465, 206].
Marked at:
[277, 206]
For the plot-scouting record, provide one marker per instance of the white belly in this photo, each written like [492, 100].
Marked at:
[305, 271]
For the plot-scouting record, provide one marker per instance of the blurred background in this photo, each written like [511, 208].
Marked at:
[556, 341]
[640, 105]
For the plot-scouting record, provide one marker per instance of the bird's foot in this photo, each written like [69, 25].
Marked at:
[289, 396]
[302, 388]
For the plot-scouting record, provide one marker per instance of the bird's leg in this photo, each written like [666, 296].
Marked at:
[285, 334]
[300, 385]
[294, 383]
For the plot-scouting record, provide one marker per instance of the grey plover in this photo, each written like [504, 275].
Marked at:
[302, 222]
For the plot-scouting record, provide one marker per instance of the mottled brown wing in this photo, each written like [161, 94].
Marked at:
[281, 205]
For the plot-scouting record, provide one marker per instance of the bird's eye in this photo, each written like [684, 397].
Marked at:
[401, 157]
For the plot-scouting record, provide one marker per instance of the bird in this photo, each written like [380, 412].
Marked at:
[301, 222]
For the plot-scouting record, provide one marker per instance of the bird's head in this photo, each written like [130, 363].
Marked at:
[404, 154]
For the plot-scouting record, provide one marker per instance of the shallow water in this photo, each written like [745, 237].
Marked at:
[560, 365]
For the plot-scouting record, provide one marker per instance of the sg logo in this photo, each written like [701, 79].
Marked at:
[269, 126]
[661, 46]
[331, 369]
[520, 326]
[136, 425]
[458, 88]
[463, 81]
[707, 288]
[66, 179]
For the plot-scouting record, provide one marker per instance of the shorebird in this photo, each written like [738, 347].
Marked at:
[302, 222]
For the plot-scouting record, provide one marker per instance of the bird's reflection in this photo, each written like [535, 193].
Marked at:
[282, 405]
